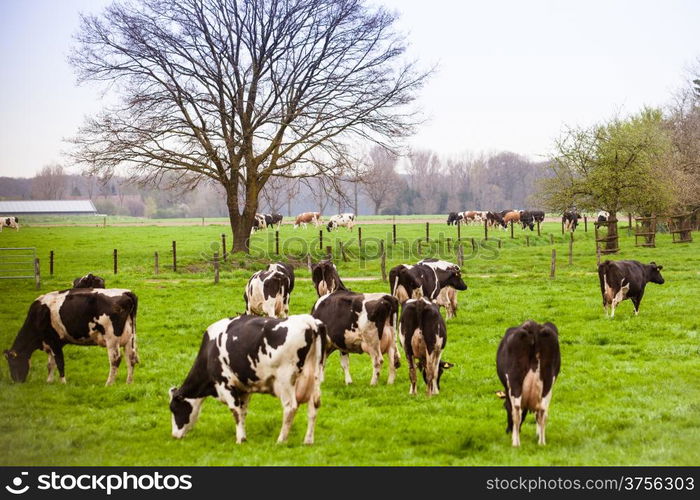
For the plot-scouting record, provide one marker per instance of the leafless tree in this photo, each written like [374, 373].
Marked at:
[50, 183]
[380, 180]
[240, 90]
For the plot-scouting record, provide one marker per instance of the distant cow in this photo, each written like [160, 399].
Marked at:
[357, 323]
[306, 218]
[12, 222]
[527, 363]
[626, 279]
[512, 216]
[259, 222]
[273, 219]
[249, 354]
[267, 292]
[570, 219]
[527, 219]
[89, 281]
[83, 316]
[423, 336]
[445, 272]
[493, 219]
[602, 216]
[347, 220]
[454, 218]
[538, 215]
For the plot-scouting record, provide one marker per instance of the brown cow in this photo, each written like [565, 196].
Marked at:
[306, 217]
[511, 217]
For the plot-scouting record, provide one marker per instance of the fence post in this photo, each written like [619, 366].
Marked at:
[308, 261]
[449, 245]
[597, 255]
[552, 269]
[115, 261]
[394, 234]
[511, 230]
[459, 231]
[277, 242]
[473, 245]
[585, 224]
[104, 222]
[174, 257]
[342, 251]
[383, 262]
[223, 246]
[460, 254]
[37, 273]
[51, 263]
[527, 241]
[571, 249]
[486, 229]
[500, 240]
[538, 228]
[202, 220]
[216, 266]
[157, 266]
[359, 238]
[427, 231]
[329, 252]
[562, 227]
[320, 239]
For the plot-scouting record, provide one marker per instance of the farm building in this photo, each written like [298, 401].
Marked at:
[48, 207]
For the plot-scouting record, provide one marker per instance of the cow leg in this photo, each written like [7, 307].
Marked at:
[51, 364]
[345, 363]
[313, 404]
[517, 416]
[268, 308]
[239, 411]
[131, 358]
[541, 417]
[392, 352]
[289, 409]
[411, 374]
[377, 360]
[115, 358]
[636, 301]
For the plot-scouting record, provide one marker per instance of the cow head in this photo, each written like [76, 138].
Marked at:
[444, 365]
[19, 365]
[185, 412]
[452, 218]
[89, 281]
[455, 280]
[330, 226]
[654, 273]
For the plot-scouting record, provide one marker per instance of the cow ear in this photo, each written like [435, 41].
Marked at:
[659, 268]
[172, 392]
[447, 365]
[652, 263]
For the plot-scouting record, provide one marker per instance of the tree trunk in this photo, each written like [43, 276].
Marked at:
[356, 206]
[612, 242]
[241, 224]
[377, 204]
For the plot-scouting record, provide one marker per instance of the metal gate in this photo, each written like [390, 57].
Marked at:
[19, 263]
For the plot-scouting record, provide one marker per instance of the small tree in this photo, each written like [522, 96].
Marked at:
[380, 180]
[50, 183]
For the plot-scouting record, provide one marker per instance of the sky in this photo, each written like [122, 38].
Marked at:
[511, 75]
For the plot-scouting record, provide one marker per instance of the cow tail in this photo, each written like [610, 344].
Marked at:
[132, 316]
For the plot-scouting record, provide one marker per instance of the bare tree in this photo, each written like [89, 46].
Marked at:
[50, 183]
[380, 180]
[240, 90]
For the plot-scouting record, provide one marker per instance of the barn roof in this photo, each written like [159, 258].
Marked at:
[57, 207]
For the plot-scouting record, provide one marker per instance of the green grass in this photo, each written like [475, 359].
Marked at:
[628, 392]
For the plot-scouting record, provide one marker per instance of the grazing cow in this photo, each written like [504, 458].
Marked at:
[537, 215]
[423, 336]
[570, 219]
[259, 222]
[356, 322]
[346, 220]
[267, 292]
[602, 216]
[454, 218]
[527, 219]
[527, 363]
[307, 217]
[248, 354]
[494, 219]
[512, 216]
[425, 279]
[626, 279]
[9, 222]
[273, 219]
[445, 272]
[83, 316]
[89, 281]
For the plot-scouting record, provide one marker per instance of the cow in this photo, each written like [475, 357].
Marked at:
[82, 316]
[512, 216]
[527, 219]
[248, 354]
[267, 292]
[89, 281]
[273, 220]
[454, 218]
[537, 215]
[259, 222]
[626, 279]
[307, 217]
[570, 220]
[357, 323]
[602, 216]
[423, 335]
[325, 278]
[12, 222]
[493, 219]
[447, 297]
[347, 220]
[528, 362]
[425, 279]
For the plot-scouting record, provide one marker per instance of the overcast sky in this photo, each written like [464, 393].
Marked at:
[510, 74]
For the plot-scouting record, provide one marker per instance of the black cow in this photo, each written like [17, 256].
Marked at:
[538, 215]
[570, 219]
[267, 292]
[248, 354]
[446, 273]
[454, 218]
[423, 336]
[325, 278]
[422, 280]
[357, 323]
[495, 219]
[527, 219]
[83, 316]
[528, 362]
[89, 281]
[626, 279]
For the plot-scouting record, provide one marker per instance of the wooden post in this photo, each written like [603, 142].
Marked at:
[597, 256]
[202, 220]
[419, 248]
[216, 266]
[629, 220]
[174, 256]
[486, 229]
[499, 242]
[223, 246]
[449, 245]
[551, 238]
[459, 231]
[571, 249]
[473, 245]
[37, 273]
[427, 231]
[383, 261]
[342, 251]
[156, 265]
[553, 267]
[460, 254]
[394, 234]
[585, 224]
[277, 242]
[562, 227]
[51, 262]
[527, 241]
[538, 228]
[511, 230]
[115, 261]
[320, 239]
[359, 237]
[104, 222]
[329, 252]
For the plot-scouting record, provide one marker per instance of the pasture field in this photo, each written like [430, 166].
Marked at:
[628, 392]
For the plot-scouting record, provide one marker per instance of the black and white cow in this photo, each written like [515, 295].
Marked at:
[570, 219]
[494, 219]
[426, 279]
[602, 216]
[528, 362]
[423, 336]
[538, 215]
[89, 281]
[259, 222]
[83, 316]
[249, 354]
[346, 220]
[447, 273]
[325, 278]
[12, 222]
[273, 219]
[267, 292]
[527, 219]
[454, 218]
[358, 323]
[626, 279]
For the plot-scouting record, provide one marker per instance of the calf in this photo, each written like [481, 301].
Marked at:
[83, 316]
[626, 279]
[347, 220]
[446, 273]
[248, 354]
[89, 281]
[423, 336]
[527, 363]
[12, 222]
[267, 292]
[306, 217]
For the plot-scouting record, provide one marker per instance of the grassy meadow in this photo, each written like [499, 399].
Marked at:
[628, 392]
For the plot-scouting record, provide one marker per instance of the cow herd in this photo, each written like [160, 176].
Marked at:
[264, 221]
[527, 218]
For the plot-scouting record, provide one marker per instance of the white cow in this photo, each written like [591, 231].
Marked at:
[346, 220]
[12, 222]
